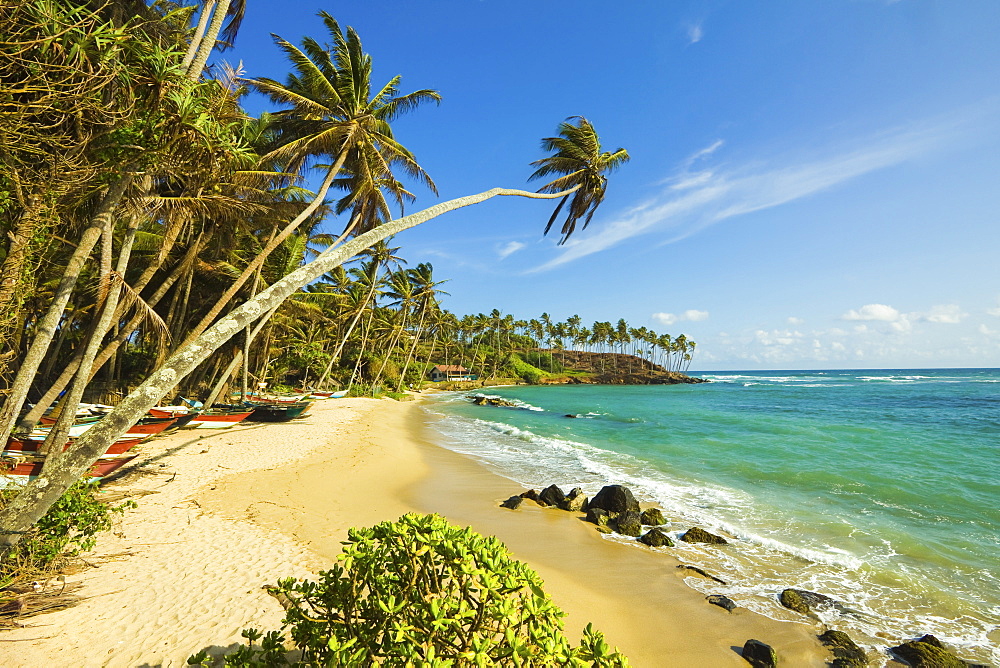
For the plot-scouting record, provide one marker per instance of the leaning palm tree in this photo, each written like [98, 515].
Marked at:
[35, 498]
[583, 164]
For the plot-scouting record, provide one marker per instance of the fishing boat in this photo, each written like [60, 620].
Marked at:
[171, 411]
[33, 445]
[268, 412]
[147, 427]
[279, 412]
[22, 468]
[218, 419]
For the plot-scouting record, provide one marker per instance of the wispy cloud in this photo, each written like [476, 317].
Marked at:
[691, 315]
[509, 248]
[694, 33]
[694, 199]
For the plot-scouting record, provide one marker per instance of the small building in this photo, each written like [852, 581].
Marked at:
[450, 372]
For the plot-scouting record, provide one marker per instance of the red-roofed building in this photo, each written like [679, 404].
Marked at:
[450, 372]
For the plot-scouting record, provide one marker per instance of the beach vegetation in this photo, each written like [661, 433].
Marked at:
[69, 527]
[420, 591]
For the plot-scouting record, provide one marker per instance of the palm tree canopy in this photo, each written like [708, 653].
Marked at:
[334, 108]
[582, 164]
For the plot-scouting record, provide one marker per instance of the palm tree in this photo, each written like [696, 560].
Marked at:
[583, 164]
[425, 294]
[333, 114]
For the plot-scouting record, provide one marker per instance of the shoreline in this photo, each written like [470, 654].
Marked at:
[225, 514]
[635, 597]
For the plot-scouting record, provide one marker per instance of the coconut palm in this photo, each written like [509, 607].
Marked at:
[583, 164]
[334, 115]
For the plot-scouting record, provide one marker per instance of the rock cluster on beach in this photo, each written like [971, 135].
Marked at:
[615, 509]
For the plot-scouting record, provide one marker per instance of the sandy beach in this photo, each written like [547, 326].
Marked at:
[223, 514]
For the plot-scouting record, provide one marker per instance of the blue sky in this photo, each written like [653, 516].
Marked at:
[812, 184]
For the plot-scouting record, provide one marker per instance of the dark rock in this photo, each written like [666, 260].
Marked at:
[926, 655]
[759, 655]
[722, 602]
[530, 494]
[652, 517]
[615, 498]
[599, 516]
[930, 640]
[575, 501]
[656, 537]
[627, 524]
[604, 529]
[846, 652]
[806, 602]
[551, 496]
[513, 502]
[480, 400]
[703, 573]
[570, 415]
[699, 535]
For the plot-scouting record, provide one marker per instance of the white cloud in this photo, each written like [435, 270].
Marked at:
[695, 33]
[947, 313]
[692, 201]
[509, 248]
[795, 322]
[691, 315]
[995, 311]
[873, 312]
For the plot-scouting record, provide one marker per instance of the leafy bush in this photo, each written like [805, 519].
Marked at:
[525, 371]
[421, 592]
[67, 529]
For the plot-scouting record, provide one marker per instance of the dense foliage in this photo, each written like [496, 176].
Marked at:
[421, 592]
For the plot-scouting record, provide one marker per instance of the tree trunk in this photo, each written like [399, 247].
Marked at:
[199, 33]
[413, 348]
[35, 499]
[28, 422]
[60, 432]
[207, 42]
[45, 330]
[258, 261]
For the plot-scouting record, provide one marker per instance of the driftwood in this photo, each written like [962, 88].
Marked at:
[23, 600]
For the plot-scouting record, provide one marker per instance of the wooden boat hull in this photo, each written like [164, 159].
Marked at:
[32, 445]
[278, 413]
[27, 467]
[218, 420]
[170, 411]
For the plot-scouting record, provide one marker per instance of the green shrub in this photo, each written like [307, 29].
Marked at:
[70, 527]
[421, 592]
[525, 371]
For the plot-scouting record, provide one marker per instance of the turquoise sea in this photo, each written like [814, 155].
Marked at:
[880, 488]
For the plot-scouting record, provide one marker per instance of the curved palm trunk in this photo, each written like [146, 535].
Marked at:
[35, 499]
[60, 432]
[45, 331]
[30, 419]
[258, 261]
